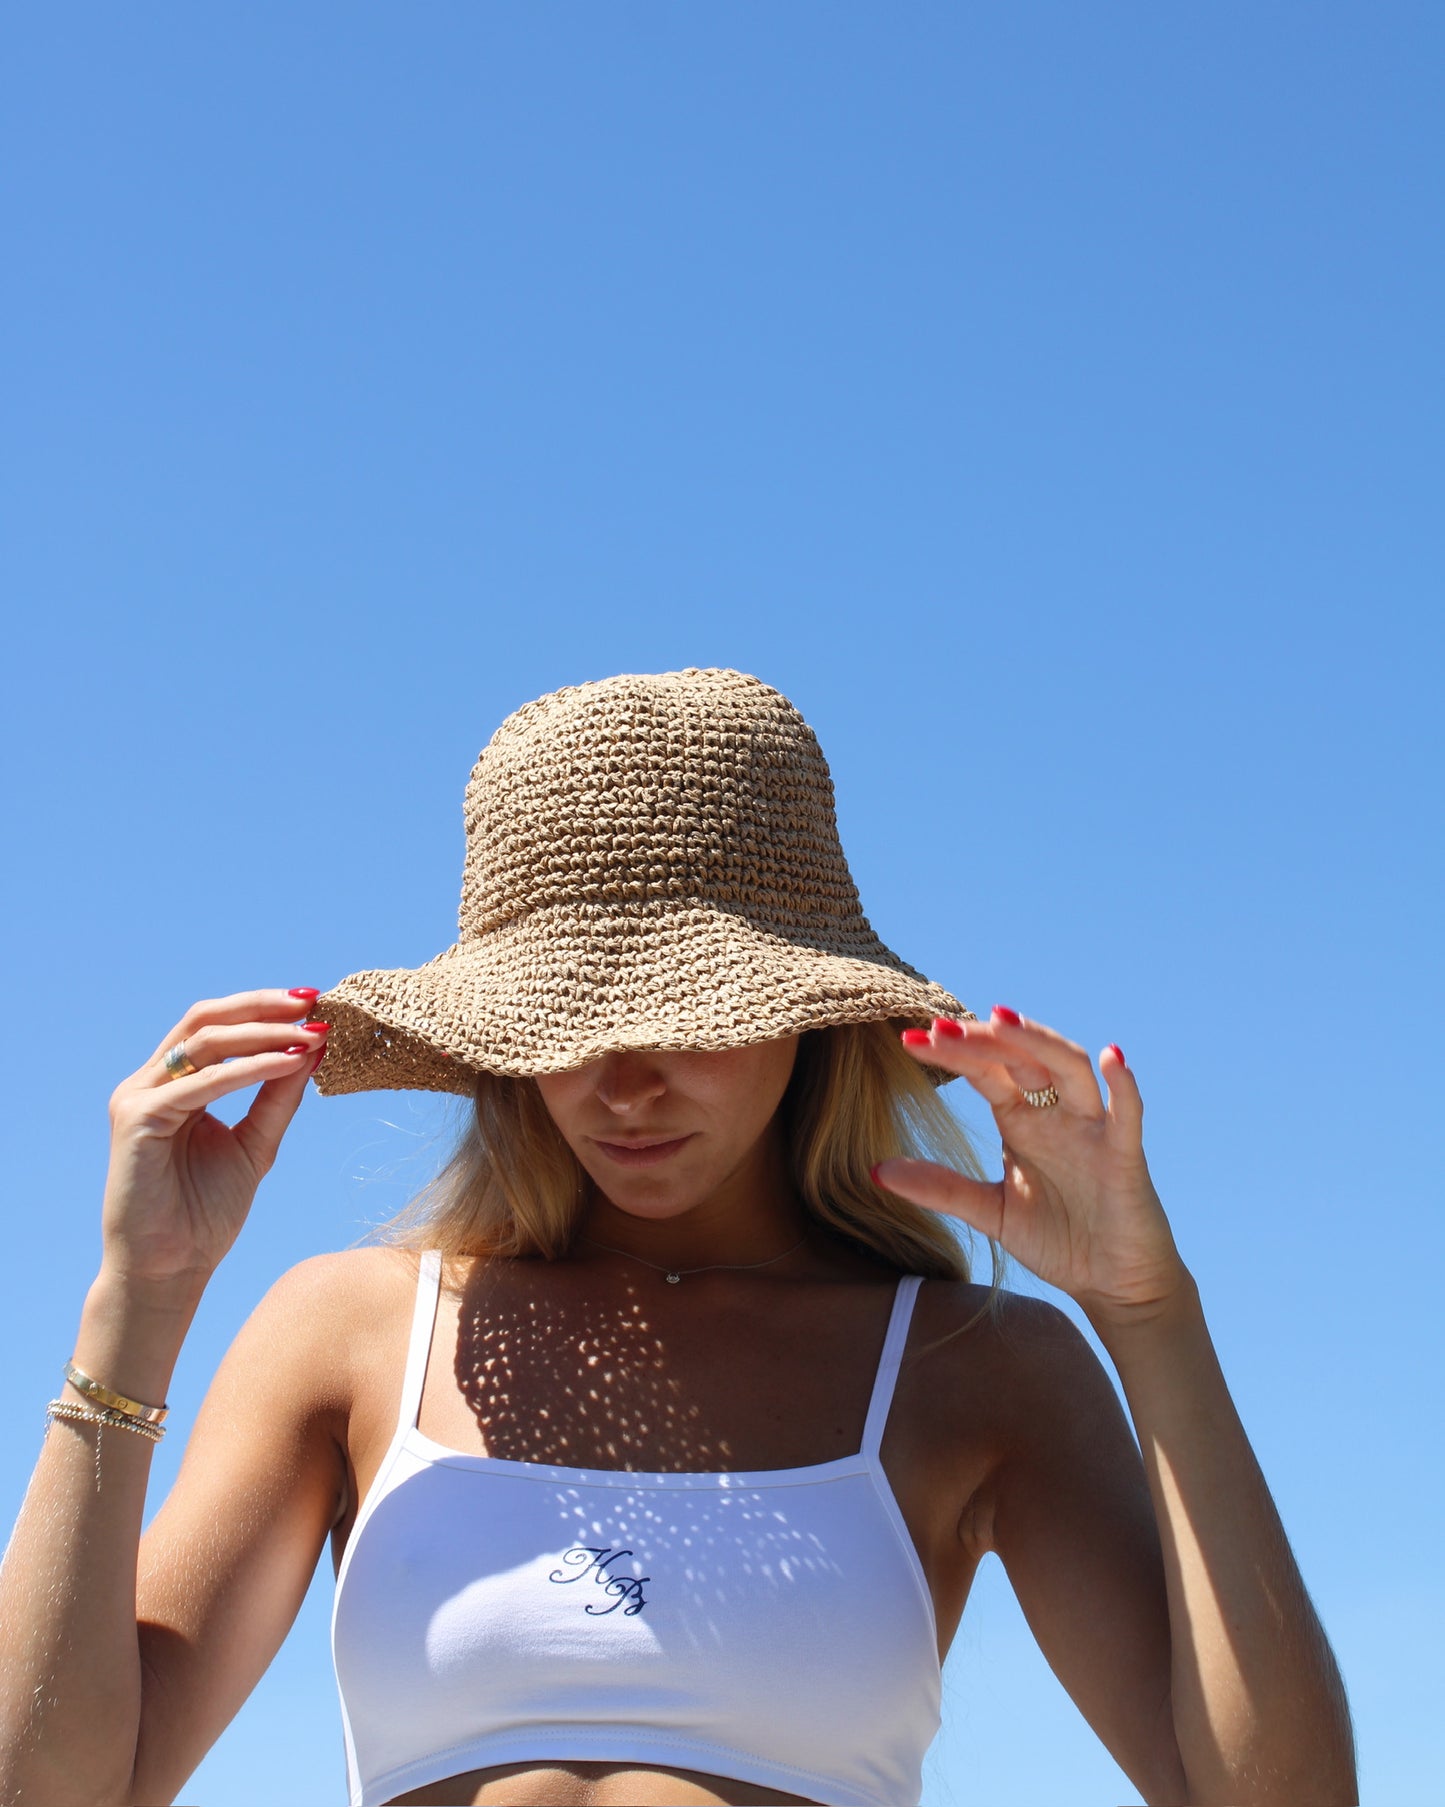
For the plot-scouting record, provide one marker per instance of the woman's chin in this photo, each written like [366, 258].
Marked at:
[653, 1204]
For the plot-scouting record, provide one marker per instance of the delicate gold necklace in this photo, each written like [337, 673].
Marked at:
[674, 1275]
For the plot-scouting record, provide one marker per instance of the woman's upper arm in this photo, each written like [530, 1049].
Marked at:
[1074, 1526]
[227, 1561]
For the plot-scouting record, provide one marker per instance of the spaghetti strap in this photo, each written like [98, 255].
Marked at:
[423, 1318]
[887, 1376]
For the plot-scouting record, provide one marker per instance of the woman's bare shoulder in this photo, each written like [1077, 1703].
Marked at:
[328, 1309]
[1008, 1318]
[1014, 1342]
[343, 1284]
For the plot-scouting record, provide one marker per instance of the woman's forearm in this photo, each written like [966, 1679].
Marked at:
[1259, 1706]
[70, 1671]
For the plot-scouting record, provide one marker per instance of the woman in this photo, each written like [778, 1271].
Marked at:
[658, 1446]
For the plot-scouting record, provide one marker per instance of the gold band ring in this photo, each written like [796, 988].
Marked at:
[1041, 1101]
[178, 1064]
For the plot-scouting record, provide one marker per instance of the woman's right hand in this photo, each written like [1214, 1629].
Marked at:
[181, 1182]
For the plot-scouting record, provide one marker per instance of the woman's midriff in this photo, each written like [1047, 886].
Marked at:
[594, 1785]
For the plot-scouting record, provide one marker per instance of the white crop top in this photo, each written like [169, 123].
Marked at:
[772, 1626]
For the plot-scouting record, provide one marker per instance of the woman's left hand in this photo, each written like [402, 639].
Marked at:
[1075, 1205]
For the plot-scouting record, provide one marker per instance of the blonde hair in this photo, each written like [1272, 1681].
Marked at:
[513, 1187]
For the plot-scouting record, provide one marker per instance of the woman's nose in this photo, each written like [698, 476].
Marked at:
[628, 1081]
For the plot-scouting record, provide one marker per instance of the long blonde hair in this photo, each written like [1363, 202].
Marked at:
[513, 1187]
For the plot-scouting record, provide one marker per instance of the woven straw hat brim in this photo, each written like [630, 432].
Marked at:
[538, 996]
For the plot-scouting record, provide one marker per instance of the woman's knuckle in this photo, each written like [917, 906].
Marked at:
[125, 1109]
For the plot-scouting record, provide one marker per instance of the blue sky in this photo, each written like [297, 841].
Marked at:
[1046, 398]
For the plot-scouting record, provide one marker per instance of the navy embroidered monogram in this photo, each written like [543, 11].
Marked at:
[585, 1561]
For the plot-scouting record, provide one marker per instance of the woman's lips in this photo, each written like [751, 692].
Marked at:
[635, 1156]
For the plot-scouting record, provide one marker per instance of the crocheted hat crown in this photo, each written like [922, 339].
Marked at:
[696, 786]
[651, 862]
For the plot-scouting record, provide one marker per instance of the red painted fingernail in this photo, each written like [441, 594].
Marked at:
[873, 1174]
[316, 1028]
[1118, 1053]
[309, 992]
[1005, 1015]
[298, 1049]
[915, 1038]
[318, 1060]
[945, 1025]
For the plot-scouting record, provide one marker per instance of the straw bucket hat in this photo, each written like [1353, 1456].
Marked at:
[652, 862]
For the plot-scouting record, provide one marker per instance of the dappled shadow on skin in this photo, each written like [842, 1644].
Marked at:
[676, 1405]
[675, 1399]
[576, 1376]
[559, 1367]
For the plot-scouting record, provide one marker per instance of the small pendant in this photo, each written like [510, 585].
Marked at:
[672, 1279]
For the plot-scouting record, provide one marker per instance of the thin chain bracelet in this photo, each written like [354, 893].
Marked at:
[100, 1417]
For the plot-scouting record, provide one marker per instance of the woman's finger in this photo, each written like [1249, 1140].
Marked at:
[212, 1044]
[1053, 1049]
[1070, 1070]
[260, 1131]
[978, 1065]
[1126, 1103]
[979, 1203]
[1001, 1070]
[167, 1106]
[271, 1006]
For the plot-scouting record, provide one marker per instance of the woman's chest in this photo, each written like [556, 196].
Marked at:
[717, 1449]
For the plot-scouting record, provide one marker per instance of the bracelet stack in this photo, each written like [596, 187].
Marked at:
[107, 1410]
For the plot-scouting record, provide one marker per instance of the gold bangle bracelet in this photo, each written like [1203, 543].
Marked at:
[115, 1402]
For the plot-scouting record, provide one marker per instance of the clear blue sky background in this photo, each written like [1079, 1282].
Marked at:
[1046, 397]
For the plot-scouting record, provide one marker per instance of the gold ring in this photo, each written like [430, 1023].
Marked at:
[1041, 1101]
[178, 1064]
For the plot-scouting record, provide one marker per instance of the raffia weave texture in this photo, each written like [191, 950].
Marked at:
[652, 862]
